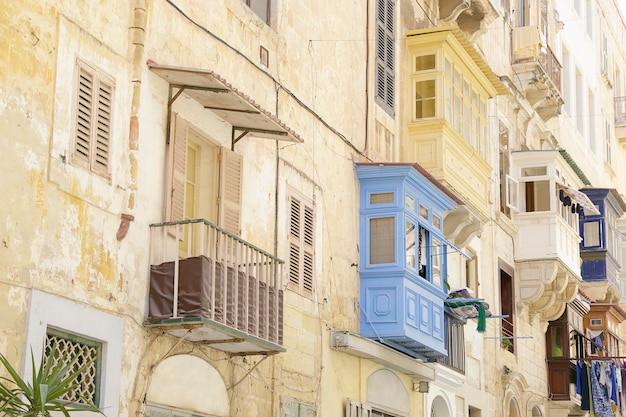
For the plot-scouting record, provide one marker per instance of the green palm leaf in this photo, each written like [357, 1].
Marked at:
[50, 383]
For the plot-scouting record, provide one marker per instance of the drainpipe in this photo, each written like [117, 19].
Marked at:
[137, 35]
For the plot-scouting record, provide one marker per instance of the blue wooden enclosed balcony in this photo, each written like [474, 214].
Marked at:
[600, 246]
[212, 287]
[403, 259]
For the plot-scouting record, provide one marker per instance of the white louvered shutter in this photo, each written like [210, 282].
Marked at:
[294, 242]
[385, 54]
[301, 243]
[356, 409]
[176, 206]
[229, 191]
[307, 258]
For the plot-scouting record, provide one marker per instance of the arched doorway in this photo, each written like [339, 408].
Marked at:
[439, 408]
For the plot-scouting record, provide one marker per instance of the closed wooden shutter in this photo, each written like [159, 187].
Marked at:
[100, 156]
[301, 244]
[229, 191]
[176, 206]
[385, 54]
[94, 95]
[84, 111]
[307, 238]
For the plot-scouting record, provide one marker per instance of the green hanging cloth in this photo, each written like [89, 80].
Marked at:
[482, 321]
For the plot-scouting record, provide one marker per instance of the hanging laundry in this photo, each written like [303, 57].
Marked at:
[600, 395]
[582, 384]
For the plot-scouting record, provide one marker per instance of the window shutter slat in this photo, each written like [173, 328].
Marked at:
[178, 173]
[380, 43]
[390, 94]
[231, 173]
[389, 17]
[294, 225]
[389, 53]
[103, 123]
[380, 80]
[84, 116]
[385, 54]
[94, 97]
[294, 264]
[308, 226]
[307, 271]
[301, 238]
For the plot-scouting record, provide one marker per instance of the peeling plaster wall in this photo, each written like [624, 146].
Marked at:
[58, 222]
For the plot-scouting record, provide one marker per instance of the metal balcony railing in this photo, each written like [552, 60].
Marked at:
[455, 344]
[201, 270]
[551, 66]
[620, 110]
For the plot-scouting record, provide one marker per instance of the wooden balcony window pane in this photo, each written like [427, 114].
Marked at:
[591, 233]
[382, 240]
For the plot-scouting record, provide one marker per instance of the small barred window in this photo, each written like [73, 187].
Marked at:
[64, 347]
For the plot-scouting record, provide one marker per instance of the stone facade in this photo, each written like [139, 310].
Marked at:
[77, 226]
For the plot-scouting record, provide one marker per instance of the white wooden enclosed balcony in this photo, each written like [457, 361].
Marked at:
[212, 287]
[543, 195]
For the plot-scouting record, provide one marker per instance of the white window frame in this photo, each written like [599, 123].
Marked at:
[512, 193]
[47, 310]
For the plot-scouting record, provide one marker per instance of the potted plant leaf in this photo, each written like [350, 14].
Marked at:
[46, 391]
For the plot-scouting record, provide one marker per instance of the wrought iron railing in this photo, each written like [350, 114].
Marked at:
[455, 344]
[551, 66]
[211, 273]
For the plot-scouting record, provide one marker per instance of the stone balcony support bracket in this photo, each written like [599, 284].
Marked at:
[545, 287]
[472, 16]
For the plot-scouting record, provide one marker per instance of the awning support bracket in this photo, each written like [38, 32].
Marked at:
[172, 98]
[247, 130]
[236, 139]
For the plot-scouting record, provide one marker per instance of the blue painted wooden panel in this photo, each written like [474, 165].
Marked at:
[403, 311]
[594, 270]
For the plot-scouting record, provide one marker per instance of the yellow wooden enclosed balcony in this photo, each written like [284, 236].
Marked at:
[449, 85]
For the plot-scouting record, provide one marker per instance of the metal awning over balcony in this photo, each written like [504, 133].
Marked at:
[227, 102]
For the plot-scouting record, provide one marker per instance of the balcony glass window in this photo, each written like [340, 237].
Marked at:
[591, 234]
[382, 240]
[424, 99]
[422, 252]
[437, 222]
[425, 62]
[436, 261]
[381, 198]
[409, 203]
[423, 212]
[410, 239]
[465, 108]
